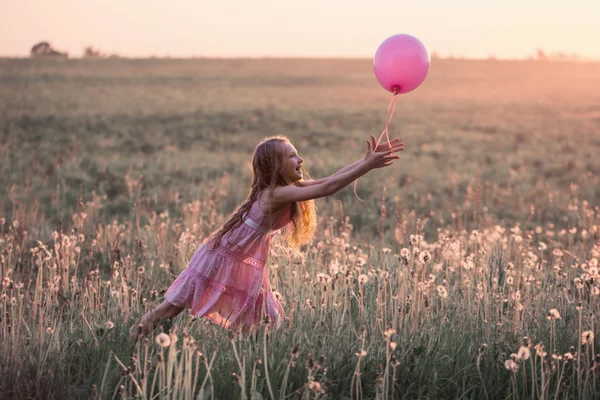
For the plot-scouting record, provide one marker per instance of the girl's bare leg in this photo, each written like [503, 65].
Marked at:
[148, 321]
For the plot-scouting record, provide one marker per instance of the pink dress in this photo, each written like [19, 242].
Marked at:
[229, 284]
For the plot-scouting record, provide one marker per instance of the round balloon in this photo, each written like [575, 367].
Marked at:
[401, 63]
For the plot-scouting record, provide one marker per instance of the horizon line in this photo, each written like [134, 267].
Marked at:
[548, 58]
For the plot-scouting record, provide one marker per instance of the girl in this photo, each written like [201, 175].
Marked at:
[227, 280]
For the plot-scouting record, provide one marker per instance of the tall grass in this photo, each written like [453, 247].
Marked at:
[482, 313]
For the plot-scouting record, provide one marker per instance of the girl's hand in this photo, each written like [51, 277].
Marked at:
[378, 159]
[395, 145]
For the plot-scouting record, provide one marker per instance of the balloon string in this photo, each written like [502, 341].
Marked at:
[391, 109]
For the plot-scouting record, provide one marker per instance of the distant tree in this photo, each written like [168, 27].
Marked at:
[540, 55]
[90, 52]
[44, 49]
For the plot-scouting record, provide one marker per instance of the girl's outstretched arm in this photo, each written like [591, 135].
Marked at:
[283, 195]
[395, 145]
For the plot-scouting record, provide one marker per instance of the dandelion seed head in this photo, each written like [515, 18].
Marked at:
[389, 332]
[587, 337]
[163, 340]
[553, 314]
[424, 257]
[443, 293]
[314, 386]
[524, 353]
[361, 353]
[511, 366]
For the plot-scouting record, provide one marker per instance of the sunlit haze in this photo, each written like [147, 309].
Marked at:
[307, 28]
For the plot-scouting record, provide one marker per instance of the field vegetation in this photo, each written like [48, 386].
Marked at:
[469, 271]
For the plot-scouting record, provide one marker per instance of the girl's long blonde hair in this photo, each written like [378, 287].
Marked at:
[267, 166]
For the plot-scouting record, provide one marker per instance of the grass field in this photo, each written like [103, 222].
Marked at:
[483, 233]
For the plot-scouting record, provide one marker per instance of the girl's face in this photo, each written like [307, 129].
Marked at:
[291, 165]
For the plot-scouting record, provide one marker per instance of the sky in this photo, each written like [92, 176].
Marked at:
[300, 28]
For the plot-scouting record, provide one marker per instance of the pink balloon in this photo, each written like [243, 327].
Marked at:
[401, 63]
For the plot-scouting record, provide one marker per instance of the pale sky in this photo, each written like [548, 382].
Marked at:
[302, 28]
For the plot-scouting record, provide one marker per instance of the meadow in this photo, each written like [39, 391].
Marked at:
[470, 270]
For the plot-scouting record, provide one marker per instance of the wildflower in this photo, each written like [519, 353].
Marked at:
[415, 240]
[524, 353]
[404, 253]
[49, 330]
[424, 256]
[442, 292]
[509, 280]
[542, 246]
[323, 278]
[277, 295]
[518, 239]
[334, 267]
[553, 314]
[362, 353]
[314, 386]
[389, 332]
[386, 250]
[109, 325]
[540, 351]
[568, 356]
[557, 253]
[173, 338]
[586, 277]
[163, 340]
[362, 279]
[393, 345]
[511, 366]
[587, 337]
[15, 224]
[6, 282]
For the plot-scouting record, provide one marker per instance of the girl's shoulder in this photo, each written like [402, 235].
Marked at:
[265, 203]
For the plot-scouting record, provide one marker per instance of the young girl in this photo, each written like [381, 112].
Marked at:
[227, 280]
